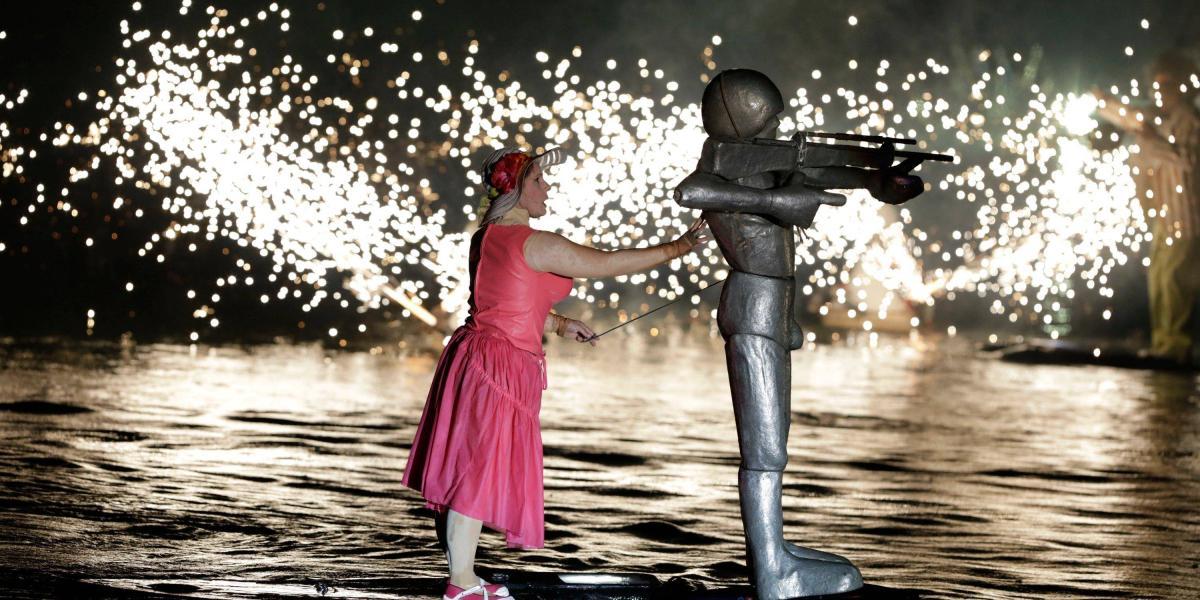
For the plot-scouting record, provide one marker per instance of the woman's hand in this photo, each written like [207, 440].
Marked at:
[696, 236]
[577, 330]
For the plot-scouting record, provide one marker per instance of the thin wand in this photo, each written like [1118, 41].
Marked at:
[599, 335]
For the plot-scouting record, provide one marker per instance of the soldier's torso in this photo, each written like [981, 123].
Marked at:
[753, 243]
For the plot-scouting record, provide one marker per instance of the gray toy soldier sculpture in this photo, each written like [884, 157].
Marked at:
[754, 190]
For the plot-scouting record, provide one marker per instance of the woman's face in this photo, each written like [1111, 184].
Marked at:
[533, 192]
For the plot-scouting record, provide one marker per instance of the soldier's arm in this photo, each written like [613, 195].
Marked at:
[885, 185]
[794, 204]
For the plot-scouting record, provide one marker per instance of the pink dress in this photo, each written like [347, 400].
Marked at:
[478, 447]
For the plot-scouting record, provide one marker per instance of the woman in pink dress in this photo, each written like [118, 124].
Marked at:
[477, 454]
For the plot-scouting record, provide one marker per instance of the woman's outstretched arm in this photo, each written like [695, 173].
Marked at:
[552, 253]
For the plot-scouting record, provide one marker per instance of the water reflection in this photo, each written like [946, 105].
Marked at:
[930, 467]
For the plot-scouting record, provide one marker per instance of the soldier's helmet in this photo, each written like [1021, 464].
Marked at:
[739, 103]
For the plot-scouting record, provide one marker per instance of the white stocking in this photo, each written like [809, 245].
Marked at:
[462, 538]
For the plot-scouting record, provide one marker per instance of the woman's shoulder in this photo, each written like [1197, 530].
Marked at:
[512, 240]
[525, 232]
[511, 228]
[539, 245]
[546, 240]
[513, 233]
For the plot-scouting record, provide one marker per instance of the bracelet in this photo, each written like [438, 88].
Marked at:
[676, 251]
[560, 329]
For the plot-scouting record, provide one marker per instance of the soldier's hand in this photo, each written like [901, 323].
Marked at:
[895, 188]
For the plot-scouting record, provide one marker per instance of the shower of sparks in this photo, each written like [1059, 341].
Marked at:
[335, 191]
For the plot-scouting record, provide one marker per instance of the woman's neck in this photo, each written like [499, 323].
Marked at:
[515, 216]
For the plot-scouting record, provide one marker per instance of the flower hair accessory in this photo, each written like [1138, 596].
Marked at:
[503, 173]
[507, 172]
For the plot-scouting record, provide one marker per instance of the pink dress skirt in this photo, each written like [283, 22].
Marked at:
[478, 447]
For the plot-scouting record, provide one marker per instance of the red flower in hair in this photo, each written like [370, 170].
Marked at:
[507, 171]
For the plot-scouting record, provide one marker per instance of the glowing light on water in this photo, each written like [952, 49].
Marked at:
[337, 191]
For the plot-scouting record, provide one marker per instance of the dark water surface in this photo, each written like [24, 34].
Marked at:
[265, 470]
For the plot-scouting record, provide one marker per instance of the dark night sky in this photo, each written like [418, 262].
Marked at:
[56, 50]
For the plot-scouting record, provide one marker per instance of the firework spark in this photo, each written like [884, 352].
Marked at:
[334, 191]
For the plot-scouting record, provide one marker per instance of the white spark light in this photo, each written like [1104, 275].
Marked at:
[252, 158]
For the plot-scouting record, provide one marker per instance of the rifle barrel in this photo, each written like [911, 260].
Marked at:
[854, 137]
[868, 151]
[925, 156]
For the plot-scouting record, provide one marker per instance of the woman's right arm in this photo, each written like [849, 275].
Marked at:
[552, 253]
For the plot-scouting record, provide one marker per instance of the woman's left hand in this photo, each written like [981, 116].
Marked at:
[696, 236]
[579, 332]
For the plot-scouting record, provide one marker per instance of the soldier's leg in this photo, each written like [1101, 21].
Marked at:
[752, 306]
[756, 325]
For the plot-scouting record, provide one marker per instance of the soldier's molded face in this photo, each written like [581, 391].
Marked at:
[740, 104]
[534, 191]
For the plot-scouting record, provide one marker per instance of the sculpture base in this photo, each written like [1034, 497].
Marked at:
[612, 586]
[866, 592]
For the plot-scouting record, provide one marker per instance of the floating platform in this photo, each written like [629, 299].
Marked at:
[227, 589]
[1057, 352]
[524, 586]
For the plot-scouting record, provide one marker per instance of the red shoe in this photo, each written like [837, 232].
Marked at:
[484, 590]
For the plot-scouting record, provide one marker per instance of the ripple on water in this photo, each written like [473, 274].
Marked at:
[43, 407]
[668, 533]
[606, 459]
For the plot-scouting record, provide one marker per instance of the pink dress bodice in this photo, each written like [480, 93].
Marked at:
[508, 298]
